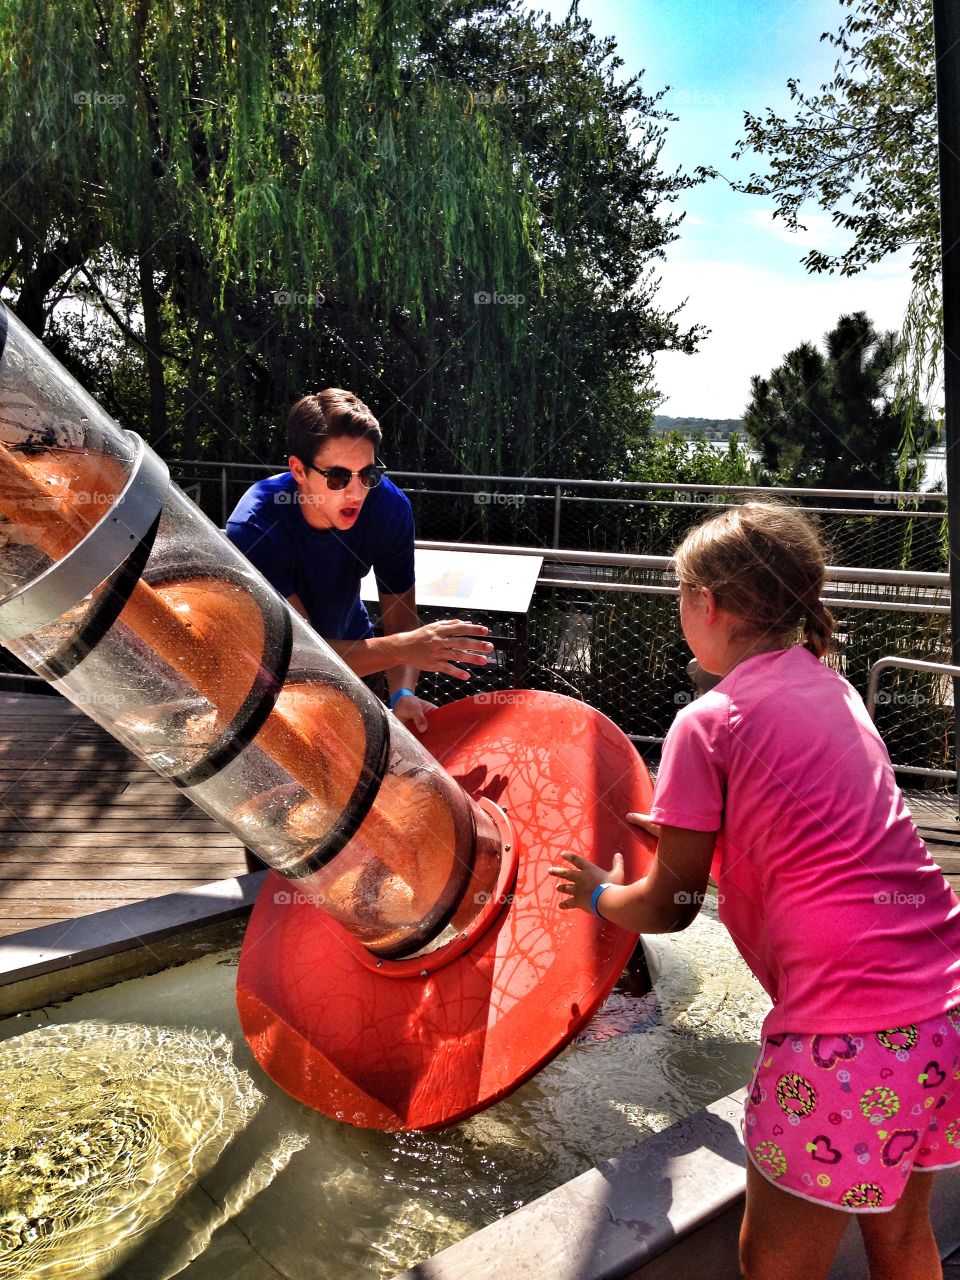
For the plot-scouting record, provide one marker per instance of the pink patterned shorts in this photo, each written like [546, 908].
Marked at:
[845, 1119]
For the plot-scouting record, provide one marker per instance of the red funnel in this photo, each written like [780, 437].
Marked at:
[418, 1044]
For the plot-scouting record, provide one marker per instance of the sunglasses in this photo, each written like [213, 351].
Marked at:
[338, 478]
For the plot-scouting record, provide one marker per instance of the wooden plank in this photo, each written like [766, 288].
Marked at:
[23, 841]
[57, 909]
[19, 923]
[86, 825]
[130, 823]
[15, 754]
[78, 778]
[100, 890]
[209, 868]
[151, 787]
[92, 812]
[19, 862]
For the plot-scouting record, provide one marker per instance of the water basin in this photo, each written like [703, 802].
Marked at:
[275, 1189]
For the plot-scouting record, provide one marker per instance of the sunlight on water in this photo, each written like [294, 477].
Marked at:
[296, 1195]
[103, 1127]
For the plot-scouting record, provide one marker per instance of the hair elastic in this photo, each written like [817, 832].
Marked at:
[398, 694]
[595, 898]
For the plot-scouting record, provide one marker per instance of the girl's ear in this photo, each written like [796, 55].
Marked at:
[711, 608]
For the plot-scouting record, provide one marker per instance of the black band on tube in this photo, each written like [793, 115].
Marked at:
[259, 702]
[117, 591]
[375, 760]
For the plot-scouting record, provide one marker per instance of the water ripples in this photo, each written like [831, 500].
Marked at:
[103, 1127]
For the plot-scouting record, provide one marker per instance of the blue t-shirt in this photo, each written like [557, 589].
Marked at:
[324, 567]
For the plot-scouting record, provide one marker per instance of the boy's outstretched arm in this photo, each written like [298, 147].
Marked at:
[666, 900]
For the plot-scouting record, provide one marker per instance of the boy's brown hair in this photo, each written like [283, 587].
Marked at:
[323, 416]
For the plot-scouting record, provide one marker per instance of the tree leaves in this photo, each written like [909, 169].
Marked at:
[827, 418]
[328, 191]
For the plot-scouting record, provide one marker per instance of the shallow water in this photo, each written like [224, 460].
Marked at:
[138, 1138]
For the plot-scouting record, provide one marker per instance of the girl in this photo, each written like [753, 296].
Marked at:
[778, 782]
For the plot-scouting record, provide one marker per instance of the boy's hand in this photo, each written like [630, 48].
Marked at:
[644, 820]
[581, 877]
[438, 645]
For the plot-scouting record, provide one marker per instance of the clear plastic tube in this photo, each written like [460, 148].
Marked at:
[187, 655]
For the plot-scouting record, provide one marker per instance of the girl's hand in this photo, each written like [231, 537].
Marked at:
[412, 712]
[581, 877]
[644, 820]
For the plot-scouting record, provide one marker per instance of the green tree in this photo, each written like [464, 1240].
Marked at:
[278, 194]
[674, 458]
[863, 147]
[827, 418]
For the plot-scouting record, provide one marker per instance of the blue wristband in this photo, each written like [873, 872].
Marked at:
[595, 898]
[400, 693]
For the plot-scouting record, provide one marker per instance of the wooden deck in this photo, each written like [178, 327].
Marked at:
[84, 825]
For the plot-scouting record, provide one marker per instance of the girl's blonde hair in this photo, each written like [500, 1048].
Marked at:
[764, 563]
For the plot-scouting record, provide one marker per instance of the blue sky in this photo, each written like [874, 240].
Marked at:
[738, 269]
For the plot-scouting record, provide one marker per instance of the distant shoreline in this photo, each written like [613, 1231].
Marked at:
[713, 429]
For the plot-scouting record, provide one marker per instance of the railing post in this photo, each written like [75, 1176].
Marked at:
[557, 504]
[223, 497]
[946, 28]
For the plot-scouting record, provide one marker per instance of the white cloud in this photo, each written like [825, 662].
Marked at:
[819, 230]
[756, 316]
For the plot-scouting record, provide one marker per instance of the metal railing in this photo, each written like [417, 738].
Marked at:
[605, 628]
[603, 623]
[882, 529]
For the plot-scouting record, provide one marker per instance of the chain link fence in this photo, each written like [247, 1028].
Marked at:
[618, 645]
[872, 529]
[610, 634]
[614, 640]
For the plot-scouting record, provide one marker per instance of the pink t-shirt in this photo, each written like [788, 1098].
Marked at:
[823, 881]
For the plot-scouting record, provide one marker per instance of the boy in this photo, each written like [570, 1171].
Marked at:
[314, 533]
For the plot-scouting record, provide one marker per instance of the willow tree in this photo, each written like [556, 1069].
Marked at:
[580, 392]
[271, 194]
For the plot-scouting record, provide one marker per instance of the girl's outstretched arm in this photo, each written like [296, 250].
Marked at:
[668, 899]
